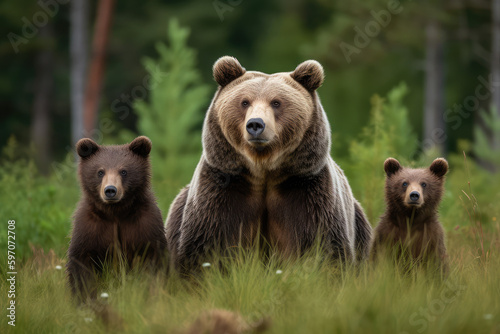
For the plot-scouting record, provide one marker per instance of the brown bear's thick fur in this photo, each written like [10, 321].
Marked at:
[110, 223]
[409, 229]
[275, 180]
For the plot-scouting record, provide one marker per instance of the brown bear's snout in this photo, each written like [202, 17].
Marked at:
[255, 127]
[110, 191]
[259, 125]
[111, 187]
[414, 195]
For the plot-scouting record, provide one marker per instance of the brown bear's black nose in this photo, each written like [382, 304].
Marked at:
[110, 191]
[414, 196]
[255, 126]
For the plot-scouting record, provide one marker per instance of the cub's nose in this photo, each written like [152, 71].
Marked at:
[110, 191]
[414, 196]
[255, 126]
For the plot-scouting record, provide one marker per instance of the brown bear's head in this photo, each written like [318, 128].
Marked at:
[262, 119]
[408, 188]
[114, 175]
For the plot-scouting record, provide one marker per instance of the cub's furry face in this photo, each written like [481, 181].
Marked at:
[408, 188]
[264, 115]
[114, 174]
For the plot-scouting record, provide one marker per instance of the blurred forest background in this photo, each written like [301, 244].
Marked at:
[409, 79]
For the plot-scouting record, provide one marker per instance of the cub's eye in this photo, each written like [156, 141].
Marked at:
[275, 104]
[405, 184]
[123, 172]
[424, 184]
[245, 103]
[100, 173]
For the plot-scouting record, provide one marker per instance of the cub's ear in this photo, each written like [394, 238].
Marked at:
[439, 167]
[391, 166]
[226, 69]
[86, 147]
[309, 74]
[141, 146]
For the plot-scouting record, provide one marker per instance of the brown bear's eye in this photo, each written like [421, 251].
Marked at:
[123, 172]
[100, 173]
[276, 104]
[424, 184]
[245, 103]
[405, 184]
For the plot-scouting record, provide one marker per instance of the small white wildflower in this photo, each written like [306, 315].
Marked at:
[279, 272]
[88, 319]
[488, 316]
[206, 265]
[58, 267]
[104, 295]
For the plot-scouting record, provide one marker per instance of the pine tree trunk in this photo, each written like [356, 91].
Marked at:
[79, 55]
[40, 127]
[96, 71]
[434, 126]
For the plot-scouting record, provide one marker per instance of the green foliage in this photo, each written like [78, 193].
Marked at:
[174, 113]
[471, 194]
[389, 134]
[484, 147]
[40, 206]
[173, 116]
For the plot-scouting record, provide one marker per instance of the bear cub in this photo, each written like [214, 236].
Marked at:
[409, 229]
[117, 216]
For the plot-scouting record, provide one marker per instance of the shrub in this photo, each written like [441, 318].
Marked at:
[388, 133]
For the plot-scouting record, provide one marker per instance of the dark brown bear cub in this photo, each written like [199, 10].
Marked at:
[409, 229]
[117, 215]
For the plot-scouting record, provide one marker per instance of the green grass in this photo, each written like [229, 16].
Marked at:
[309, 296]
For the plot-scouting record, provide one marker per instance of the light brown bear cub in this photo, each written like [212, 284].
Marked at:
[266, 173]
[409, 229]
[117, 214]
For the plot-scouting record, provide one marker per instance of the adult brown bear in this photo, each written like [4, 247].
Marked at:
[266, 172]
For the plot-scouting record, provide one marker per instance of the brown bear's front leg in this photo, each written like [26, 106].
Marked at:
[142, 239]
[303, 208]
[82, 278]
[86, 254]
[375, 248]
[174, 222]
[218, 216]
[363, 234]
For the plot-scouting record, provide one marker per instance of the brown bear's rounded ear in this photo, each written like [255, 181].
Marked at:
[86, 147]
[439, 167]
[227, 69]
[391, 166]
[141, 146]
[309, 74]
